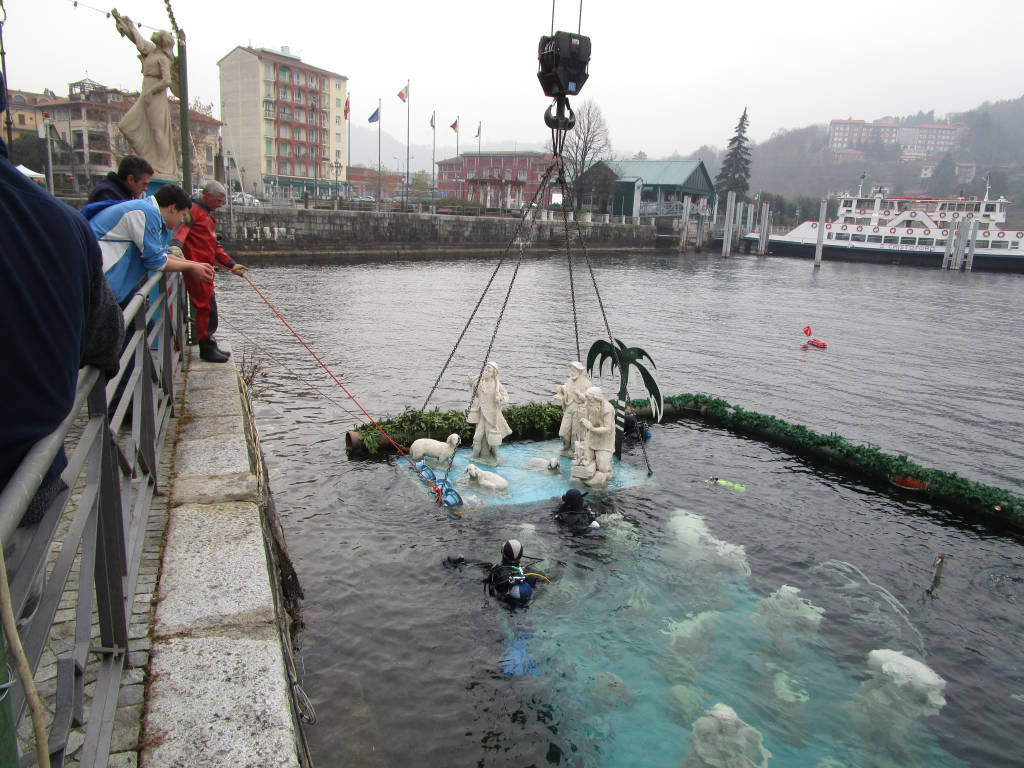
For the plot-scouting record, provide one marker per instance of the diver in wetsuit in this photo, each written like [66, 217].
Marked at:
[573, 513]
[508, 580]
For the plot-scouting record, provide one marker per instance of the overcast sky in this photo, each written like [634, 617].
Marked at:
[669, 75]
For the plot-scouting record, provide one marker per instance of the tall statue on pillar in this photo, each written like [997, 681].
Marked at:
[147, 125]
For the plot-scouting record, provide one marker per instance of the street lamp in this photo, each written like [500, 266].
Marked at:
[336, 166]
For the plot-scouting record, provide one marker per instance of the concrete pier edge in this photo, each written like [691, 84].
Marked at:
[221, 682]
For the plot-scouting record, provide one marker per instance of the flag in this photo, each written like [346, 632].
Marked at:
[375, 116]
[346, 107]
[404, 93]
[455, 126]
[807, 330]
[431, 119]
[478, 130]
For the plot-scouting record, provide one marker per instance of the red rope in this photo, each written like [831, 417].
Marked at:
[330, 373]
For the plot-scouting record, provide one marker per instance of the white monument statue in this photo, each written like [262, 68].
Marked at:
[570, 396]
[147, 125]
[593, 461]
[485, 411]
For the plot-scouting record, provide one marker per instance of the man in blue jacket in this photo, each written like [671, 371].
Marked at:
[57, 313]
[135, 239]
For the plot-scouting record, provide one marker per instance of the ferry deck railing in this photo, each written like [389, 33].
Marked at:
[90, 538]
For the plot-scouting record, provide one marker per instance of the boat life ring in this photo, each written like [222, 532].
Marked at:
[887, 212]
[814, 225]
[1020, 234]
[956, 215]
[843, 227]
[970, 215]
[910, 230]
[892, 230]
[875, 229]
[828, 226]
[1001, 234]
[860, 228]
[913, 214]
[986, 233]
[860, 211]
[942, 215]
[927, 231]
[945, 232]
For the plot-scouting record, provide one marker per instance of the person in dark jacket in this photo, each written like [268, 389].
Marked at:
[57, 312]
[130, 181]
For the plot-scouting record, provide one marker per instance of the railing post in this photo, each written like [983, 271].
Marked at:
[110, 566]
[8, 735]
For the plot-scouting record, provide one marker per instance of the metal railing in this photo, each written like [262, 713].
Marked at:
[90, 538]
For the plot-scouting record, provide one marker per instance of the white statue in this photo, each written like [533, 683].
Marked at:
[488, 480]
[485, 411]
[147, 125]
[570, 396]
[593, 461]
[434, 448]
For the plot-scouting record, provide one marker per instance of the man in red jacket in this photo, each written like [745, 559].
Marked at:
[197, 238]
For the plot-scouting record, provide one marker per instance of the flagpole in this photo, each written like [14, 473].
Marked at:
[378, 153]
[457, 185]
[408, 102]
[433, 149]
[348, 158]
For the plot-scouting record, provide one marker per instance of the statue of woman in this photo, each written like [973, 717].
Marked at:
[147, 125]
[485, 412]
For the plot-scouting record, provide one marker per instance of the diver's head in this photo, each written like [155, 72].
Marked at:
[511, 552]
[573, 500]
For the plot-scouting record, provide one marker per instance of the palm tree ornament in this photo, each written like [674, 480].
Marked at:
[622, 357]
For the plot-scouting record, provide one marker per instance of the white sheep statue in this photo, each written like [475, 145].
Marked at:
[434, 448]
[488, 480]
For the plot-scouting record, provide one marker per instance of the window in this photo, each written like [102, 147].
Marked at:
[268, 147]
[268, 71]
[21, 119]
[337, 102]
[337, 119]
[874, 238]
[891, 240]
[270, 165]
[337, 137]
[209, 153]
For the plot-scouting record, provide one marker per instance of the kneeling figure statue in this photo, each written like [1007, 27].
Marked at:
[593, 461]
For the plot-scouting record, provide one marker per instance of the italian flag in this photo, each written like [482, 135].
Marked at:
[404, 93]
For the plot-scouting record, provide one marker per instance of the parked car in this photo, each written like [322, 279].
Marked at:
[240, 198]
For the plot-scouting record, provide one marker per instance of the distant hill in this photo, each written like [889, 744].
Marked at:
[797, 162]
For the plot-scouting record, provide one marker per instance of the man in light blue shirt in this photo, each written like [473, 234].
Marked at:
[135, 236]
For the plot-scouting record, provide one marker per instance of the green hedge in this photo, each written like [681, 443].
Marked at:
[537, 421]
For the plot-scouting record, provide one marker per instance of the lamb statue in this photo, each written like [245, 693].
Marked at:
[434, 448]
[487, 480]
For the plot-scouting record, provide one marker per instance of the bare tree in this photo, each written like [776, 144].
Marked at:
[585, 145]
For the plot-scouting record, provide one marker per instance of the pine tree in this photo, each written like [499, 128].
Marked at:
[735, 173]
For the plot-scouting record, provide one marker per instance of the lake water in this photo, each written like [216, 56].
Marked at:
[647, 627]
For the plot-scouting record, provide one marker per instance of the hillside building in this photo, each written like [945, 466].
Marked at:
[285, 123]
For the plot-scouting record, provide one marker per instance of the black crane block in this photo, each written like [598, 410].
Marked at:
[562, 63]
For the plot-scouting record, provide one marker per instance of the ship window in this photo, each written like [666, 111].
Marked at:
[1015, 244]
[874, 238]
[908, 241]
[842, 235]
[925, 241]
[891, 240]
[857, 238]
[999, 244]
[981, 244]
[990, 206]
[941, 243]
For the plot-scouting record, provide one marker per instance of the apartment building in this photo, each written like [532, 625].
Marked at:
[848, 134]
[285, 123]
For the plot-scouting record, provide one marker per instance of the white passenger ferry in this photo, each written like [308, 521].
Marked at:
[926, 231]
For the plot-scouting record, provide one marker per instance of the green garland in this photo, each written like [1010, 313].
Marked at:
[540, 421]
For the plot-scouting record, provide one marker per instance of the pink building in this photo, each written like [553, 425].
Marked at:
[494, 179]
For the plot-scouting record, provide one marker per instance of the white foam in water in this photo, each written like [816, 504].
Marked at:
[721, 738]
[692, 533]
[921, 691]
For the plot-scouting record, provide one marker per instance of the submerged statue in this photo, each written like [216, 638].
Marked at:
[147, 125]
[593, 460]
[570, 396]
[485, 411]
